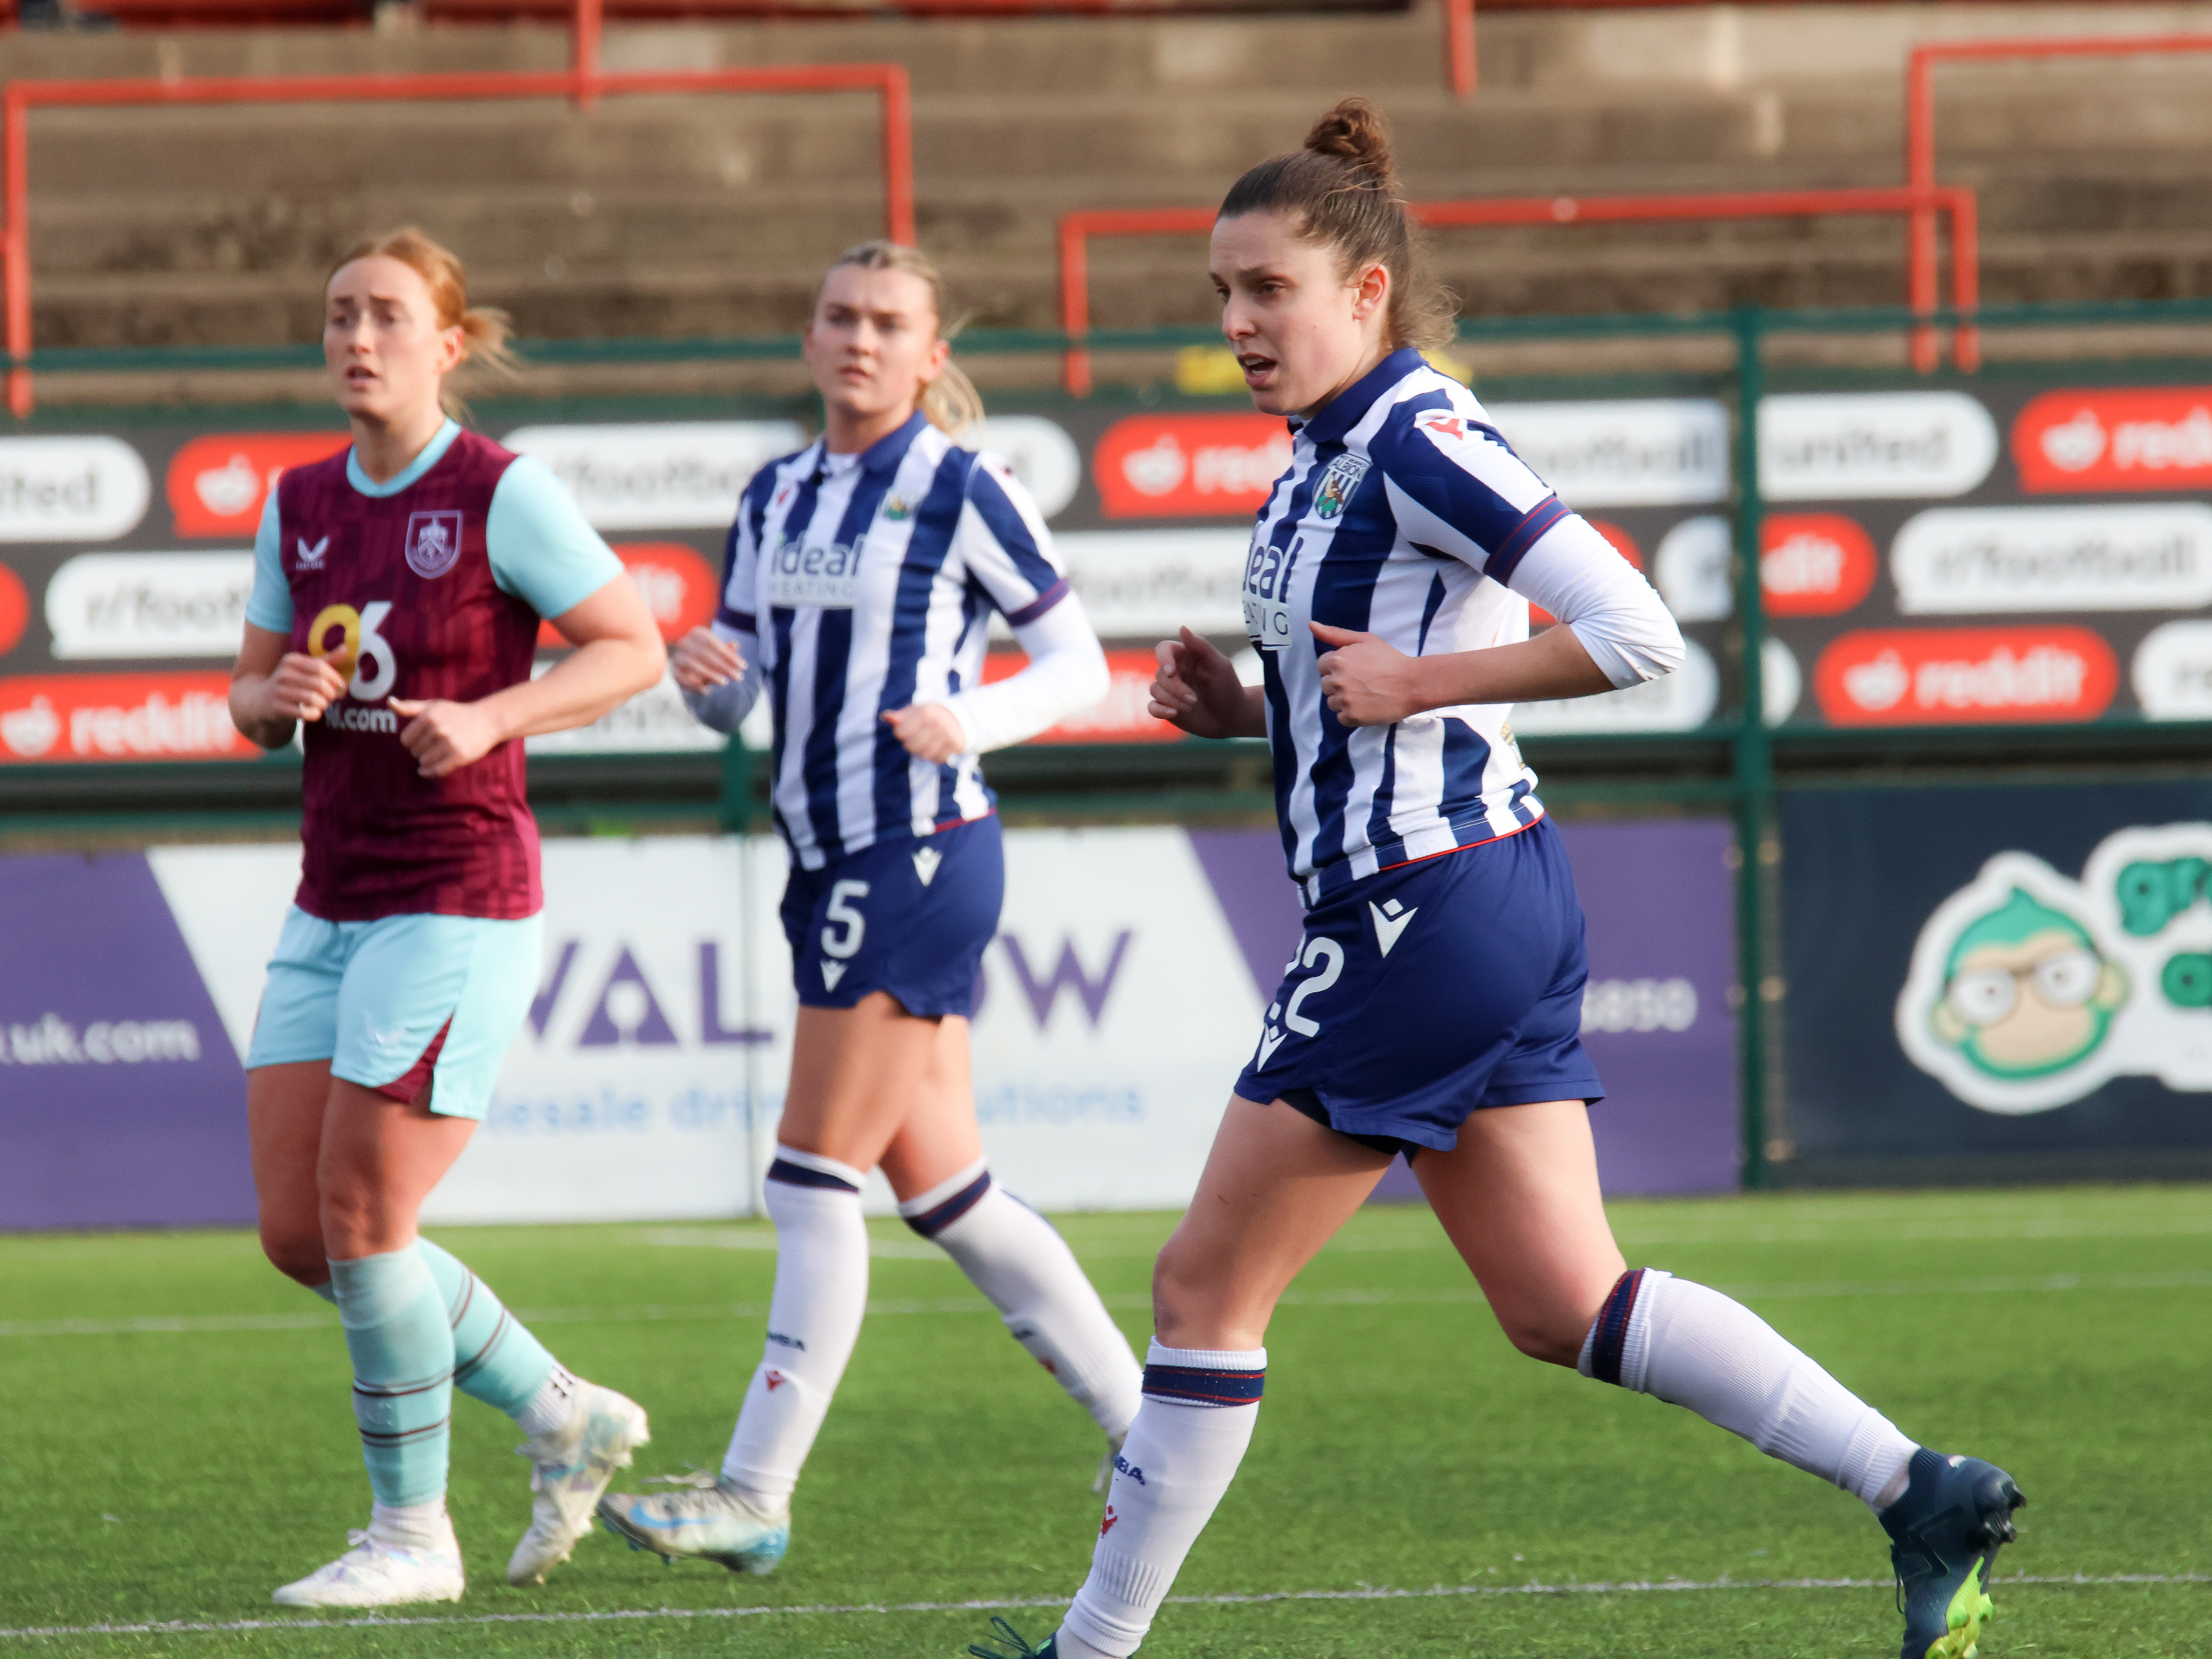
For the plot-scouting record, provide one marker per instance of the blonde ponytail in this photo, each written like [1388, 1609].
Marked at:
[950, 403]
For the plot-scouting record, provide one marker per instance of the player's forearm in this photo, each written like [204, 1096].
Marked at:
[1553, 665]
[596, 679]
[1251, 719]
[251, 713]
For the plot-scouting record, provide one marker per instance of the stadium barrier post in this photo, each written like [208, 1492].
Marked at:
[584, 51]
[737, 800]
[1752, 756]
[1459, 49]
[898, 153]
[16, 247]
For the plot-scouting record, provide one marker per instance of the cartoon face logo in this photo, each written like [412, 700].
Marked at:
[2026, 992]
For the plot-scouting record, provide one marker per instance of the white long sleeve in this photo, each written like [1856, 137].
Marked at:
[1066, 675]
[1574, 574]
[724, 708]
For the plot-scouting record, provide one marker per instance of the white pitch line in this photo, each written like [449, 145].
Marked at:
[2018, 1285]
[1434, 1592]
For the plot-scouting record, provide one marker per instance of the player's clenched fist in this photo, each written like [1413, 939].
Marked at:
[444, 737]
[929, 732]
[303, 686]
[704, 659]
[1197, 689]
[1367, 681]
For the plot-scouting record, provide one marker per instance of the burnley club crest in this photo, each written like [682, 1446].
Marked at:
[433, 543]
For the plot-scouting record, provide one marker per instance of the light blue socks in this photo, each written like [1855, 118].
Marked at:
[495, 1358]
[401, 1344]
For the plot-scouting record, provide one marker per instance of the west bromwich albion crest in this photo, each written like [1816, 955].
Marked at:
[1337, 484]
[433, 542]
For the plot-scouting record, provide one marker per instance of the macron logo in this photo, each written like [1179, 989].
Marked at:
[1272, 1036]
[831, 973]
[926, 862]
[1391, 919]
[311, 558]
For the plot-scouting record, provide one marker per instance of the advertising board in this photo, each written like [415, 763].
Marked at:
[1120, 998]
[2019, 976]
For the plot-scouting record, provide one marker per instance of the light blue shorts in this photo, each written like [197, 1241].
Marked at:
[401, 1002]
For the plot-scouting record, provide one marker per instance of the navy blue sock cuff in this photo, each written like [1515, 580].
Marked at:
[1609, 1336]
[797, 1174]
[1191, 1385]
[933, 1221]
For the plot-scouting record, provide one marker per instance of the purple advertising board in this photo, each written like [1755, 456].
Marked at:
[122, 1102]
[1660, 911]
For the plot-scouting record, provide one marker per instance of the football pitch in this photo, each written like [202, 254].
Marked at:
[179, 1442]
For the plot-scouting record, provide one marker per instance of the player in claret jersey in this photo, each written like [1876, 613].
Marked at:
[1434, 1005]
[863, 572]
[397, 595]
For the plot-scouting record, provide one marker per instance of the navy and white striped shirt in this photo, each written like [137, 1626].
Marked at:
[863, 584]
[1404, 514]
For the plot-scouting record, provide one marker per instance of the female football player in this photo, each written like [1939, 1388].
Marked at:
[396, 594]
[862, 572]
[1434, 1005]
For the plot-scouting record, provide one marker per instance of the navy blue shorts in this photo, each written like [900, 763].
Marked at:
[1431, 990]
[911, 916]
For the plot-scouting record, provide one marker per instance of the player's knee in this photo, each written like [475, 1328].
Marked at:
[295, 1250]
[1552, 1335]
[1194, 1307]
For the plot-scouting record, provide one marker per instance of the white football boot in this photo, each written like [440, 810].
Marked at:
[569, 1467]
[704, 1519]
[378, 1575]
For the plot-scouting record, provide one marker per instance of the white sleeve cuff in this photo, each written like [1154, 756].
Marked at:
[1066, 675]
[1574, 574]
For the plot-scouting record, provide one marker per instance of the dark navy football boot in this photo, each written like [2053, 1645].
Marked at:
[1944, 1534]
[1018, 1644]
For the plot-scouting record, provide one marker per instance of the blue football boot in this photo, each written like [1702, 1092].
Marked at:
[1945, 1533]
[703, 1519]
[1018, 1644]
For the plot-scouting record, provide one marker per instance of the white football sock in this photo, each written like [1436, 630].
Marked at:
[553, 1405]
[1016, 1258]
[1692, 1346]
[418, 1529]
[1183, 1449]
[813, 1320]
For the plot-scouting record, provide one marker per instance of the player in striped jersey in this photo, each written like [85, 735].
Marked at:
[1433, 1007]
[862, 574]
[397, 597]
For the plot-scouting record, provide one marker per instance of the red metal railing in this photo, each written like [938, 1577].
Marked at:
[1459, 48]
[1920, 126]
[584, 82]
[1076, 230]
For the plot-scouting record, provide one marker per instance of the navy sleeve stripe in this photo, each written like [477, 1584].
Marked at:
[745, 622]
[1036, 607]
[1009, 529]
[1506, 556]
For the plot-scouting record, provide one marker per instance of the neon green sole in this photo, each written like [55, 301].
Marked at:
[1969, 1609]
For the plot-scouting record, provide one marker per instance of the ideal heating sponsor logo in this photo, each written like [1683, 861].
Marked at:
[53, 1041]
[829, 577]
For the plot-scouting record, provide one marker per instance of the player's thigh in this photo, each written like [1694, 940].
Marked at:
[856, 1073]
[285, 1106]
[1276, 1188]
[939, 1138]
[1519, 1198]
[379, 1159]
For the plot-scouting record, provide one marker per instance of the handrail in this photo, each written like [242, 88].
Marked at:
[583, 82]
[1920, 126]
[1077, 229]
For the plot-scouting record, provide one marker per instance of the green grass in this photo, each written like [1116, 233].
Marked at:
[179, 1474]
